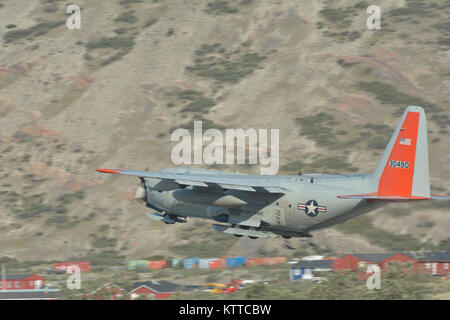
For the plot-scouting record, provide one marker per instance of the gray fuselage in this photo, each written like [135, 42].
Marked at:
[275, 212]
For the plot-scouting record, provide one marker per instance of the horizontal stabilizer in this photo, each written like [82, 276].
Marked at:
[375, 196]
[436, 197]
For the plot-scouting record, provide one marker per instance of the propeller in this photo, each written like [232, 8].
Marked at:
[141, 193]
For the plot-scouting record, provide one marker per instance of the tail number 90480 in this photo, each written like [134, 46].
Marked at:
[399, 164]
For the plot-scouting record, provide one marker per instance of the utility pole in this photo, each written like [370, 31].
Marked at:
[3, 277]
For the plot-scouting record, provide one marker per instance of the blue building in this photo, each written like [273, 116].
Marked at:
[310, 269]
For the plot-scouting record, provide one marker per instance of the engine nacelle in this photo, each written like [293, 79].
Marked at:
[207, 198]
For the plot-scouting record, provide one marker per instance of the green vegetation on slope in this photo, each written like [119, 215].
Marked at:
[388, 94]
[122, 45]
[127, 16]
[212, 61]
[37, 30]
[394, 242]
[318, 128]
[218, 7]
[396, 283]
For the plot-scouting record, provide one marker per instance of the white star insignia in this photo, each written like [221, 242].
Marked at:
[312, 208]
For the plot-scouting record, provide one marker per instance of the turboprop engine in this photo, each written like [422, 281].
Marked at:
[208, 198]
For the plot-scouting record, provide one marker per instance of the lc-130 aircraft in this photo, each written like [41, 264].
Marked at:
[261, 206]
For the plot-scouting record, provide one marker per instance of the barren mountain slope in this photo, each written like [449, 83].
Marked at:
[110, 94]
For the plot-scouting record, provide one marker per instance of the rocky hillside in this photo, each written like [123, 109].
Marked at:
[109, 95]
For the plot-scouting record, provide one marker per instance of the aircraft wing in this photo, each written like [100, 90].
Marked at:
[235, 182]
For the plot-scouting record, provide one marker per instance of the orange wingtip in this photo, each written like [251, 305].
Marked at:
[108, 171]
